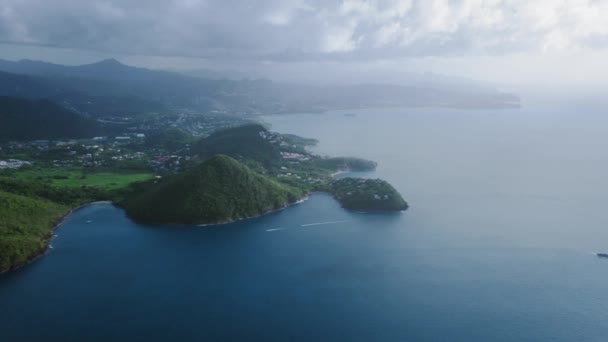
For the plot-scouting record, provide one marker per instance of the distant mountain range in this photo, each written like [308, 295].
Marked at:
[110, 88]
[86, 96]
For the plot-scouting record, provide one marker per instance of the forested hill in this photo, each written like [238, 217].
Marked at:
[220, 189]
[242, 142]
[22, 119]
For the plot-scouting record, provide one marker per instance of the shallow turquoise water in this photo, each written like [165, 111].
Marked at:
[507, 208]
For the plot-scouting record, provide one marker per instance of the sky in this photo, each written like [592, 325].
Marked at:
[502, 41]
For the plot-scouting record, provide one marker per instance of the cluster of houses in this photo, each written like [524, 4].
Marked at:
[191, 122]
[311, 180]
[47, 144]
[168, 163]
[271, 137]
[275, 139]
[13, 164]
[292, 156]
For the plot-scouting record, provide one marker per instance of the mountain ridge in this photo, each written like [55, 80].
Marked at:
[250, 97]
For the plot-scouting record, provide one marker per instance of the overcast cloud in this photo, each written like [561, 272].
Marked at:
[303, 31]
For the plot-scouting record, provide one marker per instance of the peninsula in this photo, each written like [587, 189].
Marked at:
[232, 174]
[247, 171]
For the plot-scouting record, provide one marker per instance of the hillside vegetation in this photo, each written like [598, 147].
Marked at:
[22, 119]
[25, 227]
[367, 195]
[220, 189]
[242, 142]
[29, 210]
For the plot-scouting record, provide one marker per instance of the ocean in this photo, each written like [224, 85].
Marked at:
[507, 211]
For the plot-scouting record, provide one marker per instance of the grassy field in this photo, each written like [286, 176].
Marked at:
[76, 177]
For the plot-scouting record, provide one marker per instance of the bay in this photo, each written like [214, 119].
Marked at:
[507, 210]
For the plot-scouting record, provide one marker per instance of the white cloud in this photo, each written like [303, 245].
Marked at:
[319, 29]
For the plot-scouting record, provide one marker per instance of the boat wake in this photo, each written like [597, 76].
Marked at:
[323, 223]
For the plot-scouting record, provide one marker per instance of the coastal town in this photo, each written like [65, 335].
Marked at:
[128, 148]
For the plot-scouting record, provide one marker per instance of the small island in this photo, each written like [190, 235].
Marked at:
[368, 195]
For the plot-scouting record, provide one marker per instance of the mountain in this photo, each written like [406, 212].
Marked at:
[107, 69]
[86, 96]
[22, 119]
[249, 97]
[110, 76]
[220, 189]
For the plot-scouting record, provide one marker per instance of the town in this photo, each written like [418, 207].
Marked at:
[132, 150]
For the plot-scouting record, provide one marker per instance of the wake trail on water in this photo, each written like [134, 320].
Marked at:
[323, 223]
[309, 225]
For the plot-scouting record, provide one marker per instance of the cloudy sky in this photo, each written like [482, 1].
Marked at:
[494, 40]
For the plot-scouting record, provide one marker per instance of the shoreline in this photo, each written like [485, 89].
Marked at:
[305, 198]
[498, 106]
[61, 219]
[49, 237]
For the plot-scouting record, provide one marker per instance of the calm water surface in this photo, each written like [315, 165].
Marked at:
[507, 209]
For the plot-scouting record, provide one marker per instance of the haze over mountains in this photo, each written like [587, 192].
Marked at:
[110, 88]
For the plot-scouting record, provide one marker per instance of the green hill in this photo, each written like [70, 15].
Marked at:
[367, 195]
[218, 190]
[22, 119]
[242, 142]
[25, 227]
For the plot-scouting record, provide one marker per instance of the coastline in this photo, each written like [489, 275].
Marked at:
[49, 237]
[61, 219]
[498, 106]
[305, 198]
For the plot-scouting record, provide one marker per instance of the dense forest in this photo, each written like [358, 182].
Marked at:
[220, 189]
[29, 210]
[367, 195]
[24, 228]
[243, 142]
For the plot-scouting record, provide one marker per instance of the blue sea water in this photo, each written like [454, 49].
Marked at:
[507, 211]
